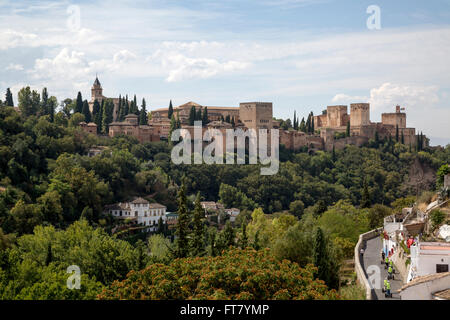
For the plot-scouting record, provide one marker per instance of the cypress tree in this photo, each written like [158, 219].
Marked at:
[295, 121]
[308, 124]
[205, 116]
[79, 104]
[421, 140]
[49, 257]
[243, 240]
[312, 122]
[44, 102]
[182, 229]
[9, 98]
[97, 115]
[51, 106]
[347, 131]
[141, 254]
[227, 119]
[256, 244]
[365, 199]
[170, 112]
[143, 120]
[397, 137]
[320, 256]
[135, 110]
[198, 115]
[192, 115]
[229, 234]
[161, 228]
[86, 111]
[303, 125]
[119, 109]
[324, 260]
[105, 128]
[402, 138]
[127, 107]
[232, 122]
[198, 235]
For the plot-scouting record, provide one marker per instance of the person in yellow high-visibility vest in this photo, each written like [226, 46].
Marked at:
[388, 288]
[386, 261]
[390, 272]
[385, 284]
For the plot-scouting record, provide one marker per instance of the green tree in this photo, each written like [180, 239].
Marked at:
[326, 267]
[205, 119]
[79, 104]
[29, 101]
[198, 234]
[192, 116]
[107, 117]
[75, 119]
[236, 275]
[9, 98]
[97, 113]
[302, 126]
[243, 237]
[296, 208]
[229, 234]
[347, 131]
[365, 199]
[143, 120]
[170, 112]
[44, 101]
[182, 230]
[86, 111]
[441, 173]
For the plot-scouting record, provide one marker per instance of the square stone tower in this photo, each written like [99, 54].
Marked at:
[396, 118]
[256, 115]
[359, 114]
[336, 116]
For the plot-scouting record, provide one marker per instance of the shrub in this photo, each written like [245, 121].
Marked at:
[236, 274]
[437, 217]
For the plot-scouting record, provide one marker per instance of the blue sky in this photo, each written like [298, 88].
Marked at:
[299, 54]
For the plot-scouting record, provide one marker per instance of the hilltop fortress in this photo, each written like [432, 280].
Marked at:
[330, 127]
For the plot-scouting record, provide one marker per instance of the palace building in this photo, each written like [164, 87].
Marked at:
[330, 126]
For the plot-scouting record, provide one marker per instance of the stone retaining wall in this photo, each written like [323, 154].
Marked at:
[360, 274]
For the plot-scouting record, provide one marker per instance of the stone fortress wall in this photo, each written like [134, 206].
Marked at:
[259, 115]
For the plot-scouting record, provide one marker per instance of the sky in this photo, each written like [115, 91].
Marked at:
[302, 55]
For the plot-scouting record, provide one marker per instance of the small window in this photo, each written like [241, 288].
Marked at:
[441, 268]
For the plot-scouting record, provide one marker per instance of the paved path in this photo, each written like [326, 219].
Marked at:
[372, 256]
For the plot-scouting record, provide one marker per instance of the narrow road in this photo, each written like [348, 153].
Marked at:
[371, 260]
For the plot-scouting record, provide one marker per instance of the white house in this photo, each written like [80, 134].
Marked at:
[429, 258]
[140, 211]
[430, 287]
[233, 213]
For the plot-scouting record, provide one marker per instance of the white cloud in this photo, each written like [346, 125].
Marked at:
[424, 107]
[181, 67]
[10, 38]
[345, 98]
[410, 96]
[15, 67]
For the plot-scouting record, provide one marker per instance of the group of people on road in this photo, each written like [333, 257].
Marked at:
[389, 265]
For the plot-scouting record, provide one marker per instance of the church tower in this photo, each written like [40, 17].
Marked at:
[97, 91]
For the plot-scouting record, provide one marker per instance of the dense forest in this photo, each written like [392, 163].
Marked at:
[310, 214]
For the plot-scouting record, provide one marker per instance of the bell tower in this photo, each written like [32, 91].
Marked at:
[97, 90]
